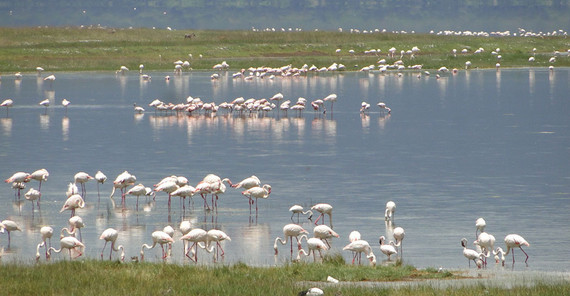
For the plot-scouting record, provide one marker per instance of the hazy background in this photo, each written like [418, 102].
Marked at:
[418, 15]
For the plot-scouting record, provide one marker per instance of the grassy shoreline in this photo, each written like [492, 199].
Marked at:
[94, 277]
[106, 49]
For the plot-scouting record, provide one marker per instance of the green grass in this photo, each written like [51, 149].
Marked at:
[93, 277]
[106, 49]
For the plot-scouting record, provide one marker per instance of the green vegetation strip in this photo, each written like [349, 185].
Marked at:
[93, 277]
[106, 49]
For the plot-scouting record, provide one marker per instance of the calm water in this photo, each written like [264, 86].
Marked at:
[475, 144]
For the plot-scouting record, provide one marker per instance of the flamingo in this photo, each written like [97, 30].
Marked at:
[479, 226]
[215, 235]
[311, 292]
[9, 226]
[17, 180]
[314, 244]
[82, 178]
[330, 98]
[33, 195]
[110, 235]
[361, 246]
[513, 241]
[352, 237]
[137, 191]
[70, 243]
[185, 227]
[158, 237]
[248, 183]
[45, 103]
[471, 254]
[183, 192]
[76, 223]
[196, 236]
[387, 249]
[399, 234]
[297, 209]
[123, 180]
[73, 202]
[138, 109]
[257, 192]
[7, 103]
[65, 103]
[487, 244]
[290, 231]
[323, 208]
[100, 178]
[216, 187]
[204, 188]
[47, 233]
[390, 210]
[324, 232]
[39, 175]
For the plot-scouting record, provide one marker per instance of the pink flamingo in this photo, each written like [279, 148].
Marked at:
[323, 208]
[111, 235]
[196, 236]
[257, 192]
[290, 231]
[161, 238]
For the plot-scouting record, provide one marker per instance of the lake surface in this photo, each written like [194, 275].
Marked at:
[480, 143]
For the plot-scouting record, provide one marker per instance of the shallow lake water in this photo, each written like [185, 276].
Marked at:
[479, 143]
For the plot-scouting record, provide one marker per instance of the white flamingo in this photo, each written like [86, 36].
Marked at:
[44, 103]
[471, 254]
[47, 233]
[33, 195]
[399, 234]
[513, 241]
[297, 209]
[82, 178]
[196, 236]
[76, 223]
[359, 247]
[290, 231]
[257, 192]
[100, 178]
[73, 202]
[479, 226]
[324, 232]
[65, 103]
[314, 244]
[161, 238]
[9, 226]
[184, 192]
[40, 176]
[331, 98]
[387, 249]
[111, 235]
[216, 235]
[7, 103]
[70, 243]
[248, 183]
[390, 210]
[323, 208]
[486, 242]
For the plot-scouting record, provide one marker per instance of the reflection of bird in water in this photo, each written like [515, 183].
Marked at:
[70, 243]
[161, 238]
[387, 249]
[471, 254]
[290, 231]
[111, 235]
[9, 226]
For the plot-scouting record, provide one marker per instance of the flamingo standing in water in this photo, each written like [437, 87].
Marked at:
[7, 103]
[361, 246]
[513, 241]
[323, 208]
[47, 233]
[196, 236]
[100, 178]
[330, 98]
[70, 243]
[290, 231]
[17, 180]
[161, 238]
[248, 183]
[9, 226]
[76, 223]
[40, 176]
[33, 195]
[297, 209]
[82, 178]
[487, 244]
[137, 191]
[65, 103]
[215, 235]
[479, 226]
[399, 234]
[314, 244]
[257, 192]
[73, 202]
[324, 233]
[387, 249]
[471, 254]
[111, 235]
[390, 210]
[183, 192]
[123, 180]
[45, 103]
[352, 237]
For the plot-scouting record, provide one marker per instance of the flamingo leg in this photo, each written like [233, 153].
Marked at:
[525, 261]
[104, 246]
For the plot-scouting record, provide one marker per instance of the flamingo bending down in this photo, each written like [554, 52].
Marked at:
[196, 236]
[399, 234]
[314, 244]
[161, 238]
[471, 254]
[257, 192]
[82, 178]
[297, 209]
[390, 210]
[487, 244]
[9, 226]
[290, 231]
[100, 178]
[76, 223]
[215, 235]
[123, 180]
[387, 249]
[513, 241]
[361, 246]
[323, 208]
[70, 243]
[111, 235]
[33, 195]
[324, 233]
[73, 202]
[47, 233]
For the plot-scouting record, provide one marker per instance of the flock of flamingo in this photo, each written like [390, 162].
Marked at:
[177, 186]
[195, 238]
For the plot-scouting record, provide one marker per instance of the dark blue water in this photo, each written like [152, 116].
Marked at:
[476, 144]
